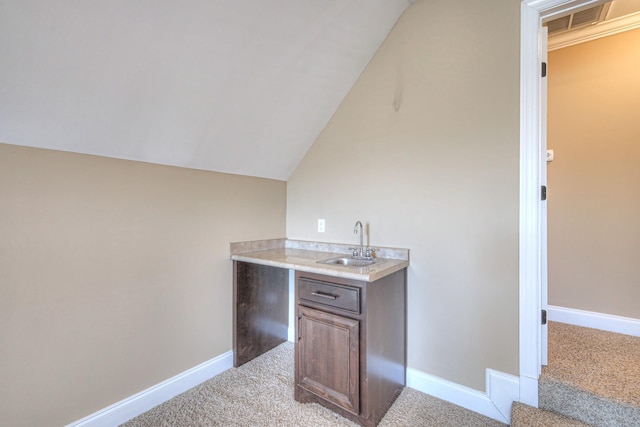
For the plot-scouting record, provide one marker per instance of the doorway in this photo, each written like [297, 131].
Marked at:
[532, 216]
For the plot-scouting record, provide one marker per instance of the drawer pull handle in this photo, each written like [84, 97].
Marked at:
[323, 295]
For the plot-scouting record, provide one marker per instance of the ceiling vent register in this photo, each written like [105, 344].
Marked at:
[579, 19]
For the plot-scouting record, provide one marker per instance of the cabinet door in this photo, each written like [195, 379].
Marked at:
[328, 357]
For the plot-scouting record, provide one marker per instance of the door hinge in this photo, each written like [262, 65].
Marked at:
[544, 317]
[544, 69]
[543, 192]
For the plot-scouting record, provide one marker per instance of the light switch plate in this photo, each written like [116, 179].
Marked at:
[321, 225]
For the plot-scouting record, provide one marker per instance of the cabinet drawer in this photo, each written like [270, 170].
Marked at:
[343, 297]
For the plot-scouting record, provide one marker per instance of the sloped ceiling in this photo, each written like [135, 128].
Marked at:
[233, 86]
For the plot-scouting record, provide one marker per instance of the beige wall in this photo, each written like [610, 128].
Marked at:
[425, 148]
[114, 276]
[594, 181]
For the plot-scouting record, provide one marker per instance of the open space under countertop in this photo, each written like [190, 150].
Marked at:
[303, 256]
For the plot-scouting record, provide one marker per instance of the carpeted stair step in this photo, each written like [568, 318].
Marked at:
[527, 416]
[593, 376]
[585, 405]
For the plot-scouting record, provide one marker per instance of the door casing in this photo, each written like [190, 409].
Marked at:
[532, 216]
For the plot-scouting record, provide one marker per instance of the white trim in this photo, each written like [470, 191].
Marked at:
[135, 405]
[502, 391]
[548, 9]
[532, 12]
[593, 32]
[530, 233]
[544, 274]
[528, 389]
[591, 319]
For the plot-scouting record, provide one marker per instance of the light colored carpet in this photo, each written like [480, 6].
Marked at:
[604, 363]
[592, 376]
[527, 416]
[260, 393]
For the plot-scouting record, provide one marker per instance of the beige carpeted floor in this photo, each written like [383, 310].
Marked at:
[527, 416]
[592, 376]
[260, 393]
[604, 363]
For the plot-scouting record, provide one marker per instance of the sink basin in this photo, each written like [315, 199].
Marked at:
[348, 262]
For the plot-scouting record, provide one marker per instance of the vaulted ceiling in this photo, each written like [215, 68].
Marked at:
[242, 87]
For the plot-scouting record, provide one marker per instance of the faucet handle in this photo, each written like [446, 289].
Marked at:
[370, 252]
[354, 251]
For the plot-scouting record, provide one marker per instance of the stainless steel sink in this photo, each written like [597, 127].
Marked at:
[348, 262]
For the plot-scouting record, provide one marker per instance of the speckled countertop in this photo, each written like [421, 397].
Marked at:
[304, 256]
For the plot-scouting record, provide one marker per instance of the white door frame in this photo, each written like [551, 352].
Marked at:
[532, 226]
[544, 283]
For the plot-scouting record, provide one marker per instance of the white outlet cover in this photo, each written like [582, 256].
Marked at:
[549, 155]
[321, 225]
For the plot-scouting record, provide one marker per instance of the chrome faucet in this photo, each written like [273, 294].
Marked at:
[360, 252]
[355, 231]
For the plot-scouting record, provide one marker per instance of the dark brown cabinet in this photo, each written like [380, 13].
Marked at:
[328, 357]
[260, 309]
[350, 351]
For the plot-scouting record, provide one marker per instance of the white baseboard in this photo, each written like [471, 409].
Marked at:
[529, 391]
[135, 405]
[502, 390]
[590, 319]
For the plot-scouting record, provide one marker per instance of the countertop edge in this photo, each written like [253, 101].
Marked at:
[303, 256]
[238, 248]
[325, 270]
